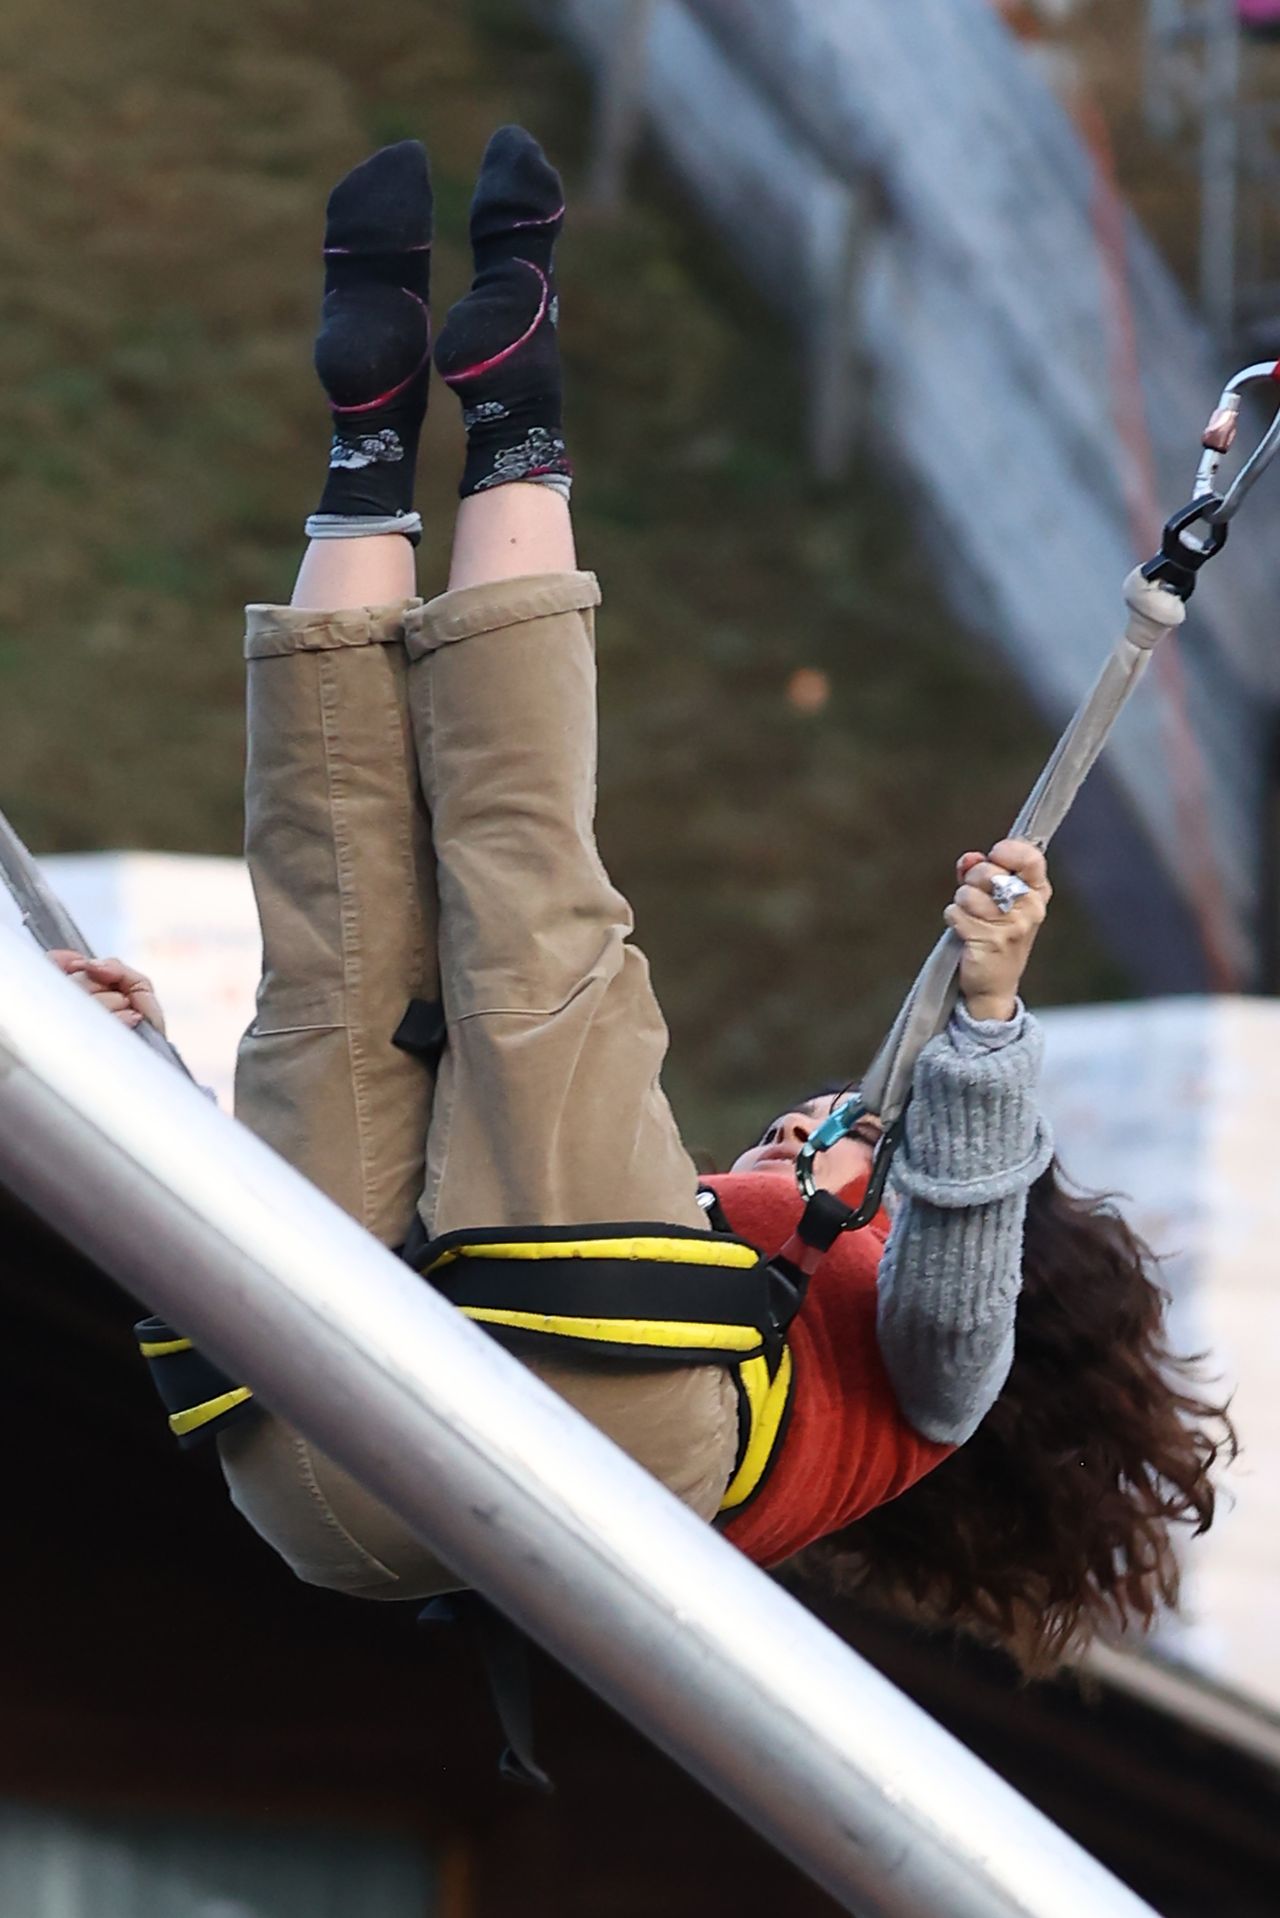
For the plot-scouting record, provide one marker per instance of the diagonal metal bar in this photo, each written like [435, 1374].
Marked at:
[43, 913]
[586, 1552]
[51, 925]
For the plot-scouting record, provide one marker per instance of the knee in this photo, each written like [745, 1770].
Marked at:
[326, 1528]
[679, 1423]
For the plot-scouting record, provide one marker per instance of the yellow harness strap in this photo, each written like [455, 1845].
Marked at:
[673, 1295]
[669, 1295]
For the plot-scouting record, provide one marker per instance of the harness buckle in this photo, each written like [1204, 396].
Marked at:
[840, 1125]
[1182, 555]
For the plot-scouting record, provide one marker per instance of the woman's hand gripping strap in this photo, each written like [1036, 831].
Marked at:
[1155, 608]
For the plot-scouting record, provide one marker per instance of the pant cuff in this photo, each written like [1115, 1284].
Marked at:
[488, 608]
[271, 631]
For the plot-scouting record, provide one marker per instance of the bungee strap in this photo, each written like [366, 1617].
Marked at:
[1156, 596]
[1155, 609]
[1156, 599]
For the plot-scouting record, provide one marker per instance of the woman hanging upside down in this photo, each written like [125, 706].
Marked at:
[457, 1040]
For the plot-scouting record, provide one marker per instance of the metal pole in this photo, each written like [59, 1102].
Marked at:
[576, 1543]
[1220, 170]
[51, 925]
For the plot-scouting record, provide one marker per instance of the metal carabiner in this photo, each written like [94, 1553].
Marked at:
[1219, 438]
[1183, 551]
[840, 1125]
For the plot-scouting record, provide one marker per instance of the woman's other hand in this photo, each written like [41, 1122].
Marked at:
[118, 988]
[997, 944]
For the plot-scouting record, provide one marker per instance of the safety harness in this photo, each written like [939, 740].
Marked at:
[639, 1294]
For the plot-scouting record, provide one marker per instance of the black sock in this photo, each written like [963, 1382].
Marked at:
[373, 354]
[498, 350]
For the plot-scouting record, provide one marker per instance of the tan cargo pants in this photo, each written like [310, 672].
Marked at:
[420, 801]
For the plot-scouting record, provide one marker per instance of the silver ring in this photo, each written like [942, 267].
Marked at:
[1007, 889]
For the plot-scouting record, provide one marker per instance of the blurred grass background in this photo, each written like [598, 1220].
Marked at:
[164, 176]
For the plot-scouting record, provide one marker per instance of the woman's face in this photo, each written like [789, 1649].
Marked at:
[846, 1162]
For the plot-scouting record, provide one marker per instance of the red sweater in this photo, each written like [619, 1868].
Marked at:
[846, 1448]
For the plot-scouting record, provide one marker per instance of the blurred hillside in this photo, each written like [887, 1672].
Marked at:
[164, 171]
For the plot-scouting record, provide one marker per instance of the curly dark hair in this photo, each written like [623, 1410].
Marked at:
[1056, 1521]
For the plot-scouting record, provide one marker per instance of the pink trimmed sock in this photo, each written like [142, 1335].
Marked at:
[498, 350]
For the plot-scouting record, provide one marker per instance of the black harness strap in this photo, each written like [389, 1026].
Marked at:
[199, 1399]
[505, 1652]
[631, 1292]
[422, 1032]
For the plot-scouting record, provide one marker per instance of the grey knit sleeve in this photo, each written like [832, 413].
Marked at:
[952, 1269]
